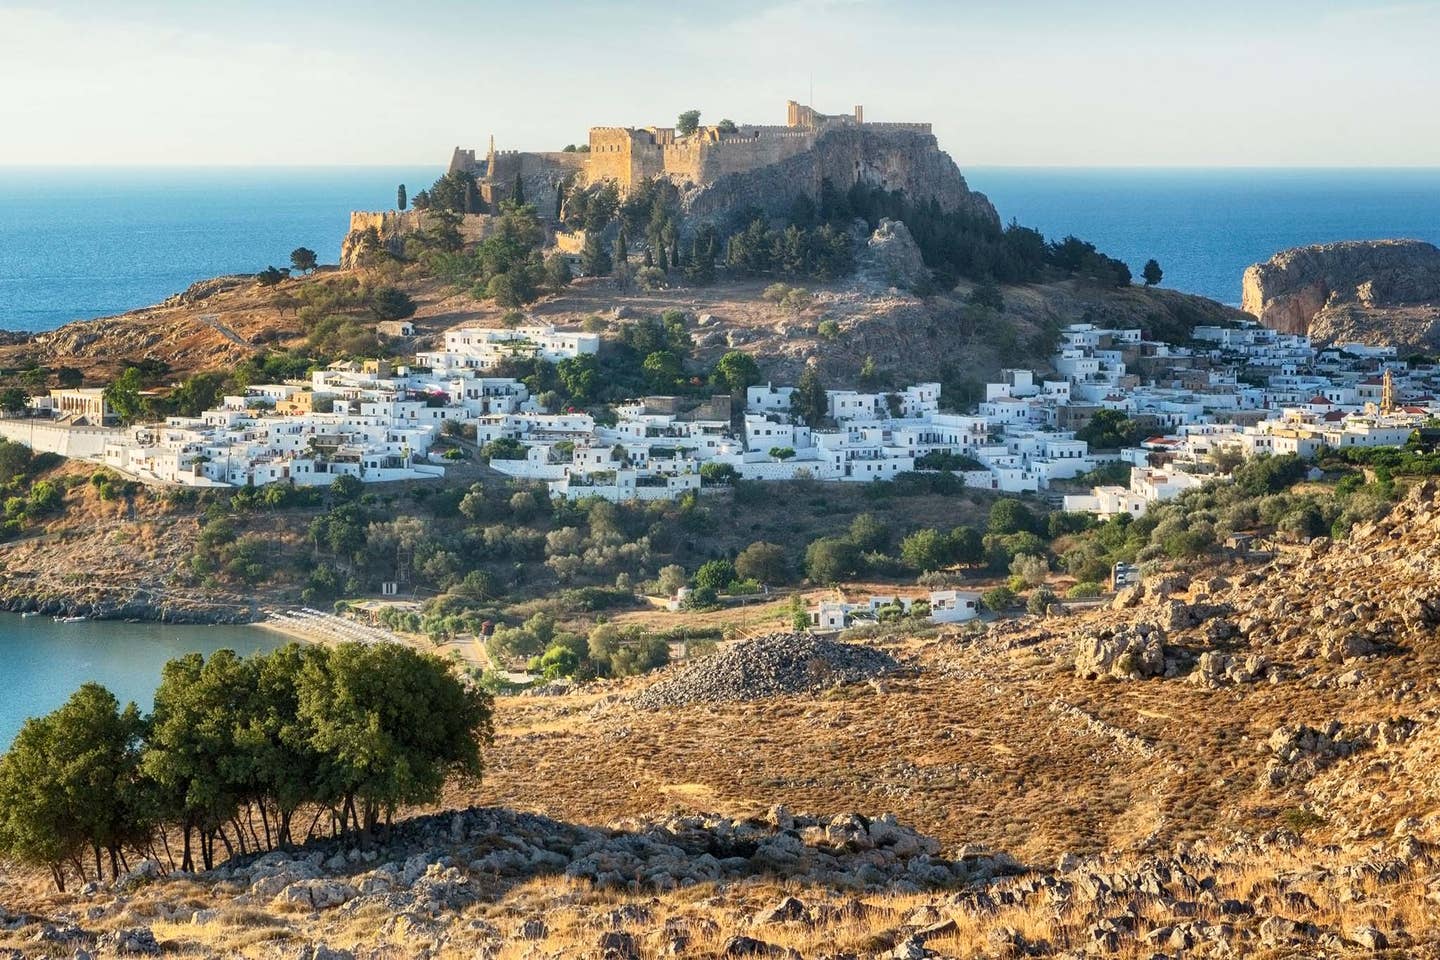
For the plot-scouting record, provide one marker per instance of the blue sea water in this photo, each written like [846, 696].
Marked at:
[43, 662]
[79, 243]
[1205, 226]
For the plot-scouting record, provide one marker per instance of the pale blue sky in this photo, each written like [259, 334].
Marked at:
[1004, 81]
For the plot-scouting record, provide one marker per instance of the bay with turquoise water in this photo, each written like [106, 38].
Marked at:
[42, 662]
[77, 243]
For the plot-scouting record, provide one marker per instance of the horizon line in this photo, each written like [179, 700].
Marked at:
[1296, 165]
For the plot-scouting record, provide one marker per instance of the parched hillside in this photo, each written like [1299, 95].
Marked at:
[1233, 763]
[219, 323]
[213, 325]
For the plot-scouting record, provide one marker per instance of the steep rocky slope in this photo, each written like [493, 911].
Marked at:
[218, 323]
[1374, 291]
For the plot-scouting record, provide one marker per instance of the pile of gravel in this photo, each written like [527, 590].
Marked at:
[764, 667]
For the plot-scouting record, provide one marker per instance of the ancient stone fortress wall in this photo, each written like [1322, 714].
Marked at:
[462, 160]
[392, 226]
[528, 163]
[739, 154]
[613, 155]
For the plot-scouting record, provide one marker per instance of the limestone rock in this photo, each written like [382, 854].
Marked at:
[891, 258]
[1349, 291]
[1127, 652]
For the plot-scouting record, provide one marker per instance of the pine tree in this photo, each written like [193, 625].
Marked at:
[593, 258]
[1152, 272]
[400, 201]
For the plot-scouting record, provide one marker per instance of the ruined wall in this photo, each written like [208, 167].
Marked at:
[541, 173]
[393, 226]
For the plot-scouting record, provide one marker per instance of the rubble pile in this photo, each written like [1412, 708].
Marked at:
[767, 666]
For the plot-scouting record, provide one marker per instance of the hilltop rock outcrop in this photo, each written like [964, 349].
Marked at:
[891, 258]
[907, 160]
[1369, 291]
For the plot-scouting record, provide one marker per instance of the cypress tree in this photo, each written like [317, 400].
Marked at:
[662, 261]
[400, 200]
[518, 193]
[622, 246]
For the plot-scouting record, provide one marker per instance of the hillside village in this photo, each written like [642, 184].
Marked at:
[380, 422]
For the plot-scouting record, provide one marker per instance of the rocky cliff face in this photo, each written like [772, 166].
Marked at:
[390, 227]
[1371, 291]
[905, 160]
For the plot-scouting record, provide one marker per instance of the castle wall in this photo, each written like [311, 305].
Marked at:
[628, 156]
[393, 226]
[740, 154]
[623, 155]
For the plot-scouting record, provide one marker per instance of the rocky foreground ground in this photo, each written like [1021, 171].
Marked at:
[1239, 763]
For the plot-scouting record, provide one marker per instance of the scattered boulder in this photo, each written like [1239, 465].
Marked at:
[1124, 652]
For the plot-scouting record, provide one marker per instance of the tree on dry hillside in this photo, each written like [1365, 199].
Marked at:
[303, 259]
[69, 785]
[1152, 272]
[687, 123]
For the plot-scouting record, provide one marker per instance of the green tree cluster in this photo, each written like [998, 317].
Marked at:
[234, 749]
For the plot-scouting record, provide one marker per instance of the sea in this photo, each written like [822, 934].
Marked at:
[42, 662]
[77, 243]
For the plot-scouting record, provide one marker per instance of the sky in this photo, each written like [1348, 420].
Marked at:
[1005, 82]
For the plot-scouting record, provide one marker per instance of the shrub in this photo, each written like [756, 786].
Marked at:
[763, 562]
[925, 550]
[1039, 601]
[715, 575]
[1030, 569]
[999, 598]
[831, 559]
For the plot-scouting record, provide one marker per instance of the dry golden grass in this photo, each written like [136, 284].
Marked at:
[700, 921]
